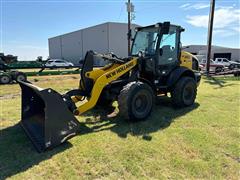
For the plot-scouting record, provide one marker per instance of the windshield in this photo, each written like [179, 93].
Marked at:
[145, 41]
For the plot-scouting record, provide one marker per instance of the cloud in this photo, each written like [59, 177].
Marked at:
[185, 5]
[236, 29]
[194, 6]
[224, 17]
[224, 32]
[226, 21]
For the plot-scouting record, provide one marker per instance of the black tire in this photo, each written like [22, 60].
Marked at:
[184, 92]
[231, 66]
[236, 74]
[135, 101]
[21, 77]
[218, 69]
[53, 67]
[5, 79]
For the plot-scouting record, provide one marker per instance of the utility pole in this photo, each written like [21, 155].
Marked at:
[130, 9]
[210, 30]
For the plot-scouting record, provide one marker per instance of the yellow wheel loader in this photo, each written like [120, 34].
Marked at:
[156, 66]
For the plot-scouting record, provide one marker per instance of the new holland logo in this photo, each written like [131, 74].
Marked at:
[119, 70]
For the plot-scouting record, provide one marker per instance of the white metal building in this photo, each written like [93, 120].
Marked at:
[102, 38]
[217, 52]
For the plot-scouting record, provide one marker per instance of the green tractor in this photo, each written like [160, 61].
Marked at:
[8, 76]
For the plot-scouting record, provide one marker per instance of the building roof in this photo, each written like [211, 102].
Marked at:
[93, 27]
[205, 47]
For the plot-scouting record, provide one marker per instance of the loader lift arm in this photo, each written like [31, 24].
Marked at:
[106, 76]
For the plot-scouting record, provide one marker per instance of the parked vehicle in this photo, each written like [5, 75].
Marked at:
[213, 66]
[200, 57]
[8, 76]
[52, 63]
[230, 64]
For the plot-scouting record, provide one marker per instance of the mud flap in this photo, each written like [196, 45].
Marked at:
[46, 118]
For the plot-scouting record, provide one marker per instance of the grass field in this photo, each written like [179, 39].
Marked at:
[199, 142]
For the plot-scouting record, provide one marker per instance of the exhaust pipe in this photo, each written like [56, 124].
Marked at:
[45, 117]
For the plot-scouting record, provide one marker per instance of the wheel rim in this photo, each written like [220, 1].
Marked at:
[20, 78]
[218, 69]
[142, 103]
[5, 79]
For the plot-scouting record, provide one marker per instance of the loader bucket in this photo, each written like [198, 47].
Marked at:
[46, 118]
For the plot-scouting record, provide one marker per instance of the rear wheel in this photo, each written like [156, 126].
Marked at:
[184, 92]
[231, 67]
[219, 69]
[5, 79]
[21, 77]
[135, 101]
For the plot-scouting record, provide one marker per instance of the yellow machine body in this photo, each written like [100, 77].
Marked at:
[186, 59]
[101, 78]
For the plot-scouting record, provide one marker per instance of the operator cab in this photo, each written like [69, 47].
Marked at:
[158, 47]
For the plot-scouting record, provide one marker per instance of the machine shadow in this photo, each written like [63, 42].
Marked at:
[161, 117]
[219, 83]
[17, 154]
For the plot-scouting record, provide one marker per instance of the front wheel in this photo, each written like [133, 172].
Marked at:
[135, 101]
[184, 92]
[5, 79]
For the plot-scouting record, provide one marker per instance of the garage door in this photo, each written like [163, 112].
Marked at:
[222, 55]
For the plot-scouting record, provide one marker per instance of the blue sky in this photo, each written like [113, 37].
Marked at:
[26, 25]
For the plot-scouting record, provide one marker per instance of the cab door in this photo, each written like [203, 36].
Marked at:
[168, 52]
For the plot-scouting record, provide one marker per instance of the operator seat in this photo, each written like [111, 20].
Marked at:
[167, 53]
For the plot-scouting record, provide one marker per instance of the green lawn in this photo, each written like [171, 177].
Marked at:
[200, 142]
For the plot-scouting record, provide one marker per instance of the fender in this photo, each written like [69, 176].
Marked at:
[177, 73]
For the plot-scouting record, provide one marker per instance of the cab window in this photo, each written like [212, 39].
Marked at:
[145, 41]
[168, 47]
